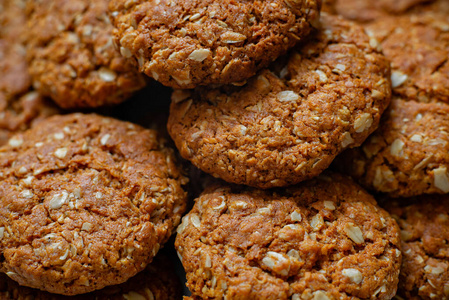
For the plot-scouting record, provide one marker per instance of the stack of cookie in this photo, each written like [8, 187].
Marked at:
[405, 159]
[320, 239]
[265, 95]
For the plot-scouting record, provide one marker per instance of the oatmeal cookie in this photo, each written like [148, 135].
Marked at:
[408, 155]
[424, 224]
[186, 43]
[157, 281]
[20, 106]
[323, 239]
[418, 48]
[86, 202]
[72, 57]
[289, 122]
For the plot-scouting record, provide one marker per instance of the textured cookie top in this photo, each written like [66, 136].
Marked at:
[72, 56]
[186, 43]
[408, 155]
[323, 239]
[157, 281]
[288, 123]
[424, 225]
[418, 48]
[19, 105]
[86, 201]
[369, 10]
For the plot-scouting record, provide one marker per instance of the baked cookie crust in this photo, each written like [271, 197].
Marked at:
[407, 155]
[157, 281]
[86, 202]
[418, 48]
[323, 239]
[187, 43]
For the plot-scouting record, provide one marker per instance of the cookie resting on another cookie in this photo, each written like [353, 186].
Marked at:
[187, 43]
[85, 202]
[158, 281]
[408, 155]
[289, 122]
[424, 224]
[72, 56]
[322, 239]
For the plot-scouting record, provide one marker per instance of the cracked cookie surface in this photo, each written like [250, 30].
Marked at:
[186, 43]
[407, 155]
[86, 202]
[418, 48]
[322, 239]
[157, 281]
[424, 224]
[289, 122]
[72, 56]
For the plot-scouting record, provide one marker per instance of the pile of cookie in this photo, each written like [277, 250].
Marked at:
[253, 119]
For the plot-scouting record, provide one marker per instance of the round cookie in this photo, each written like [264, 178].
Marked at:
[407, 155]
[20, 106]
[72, 56]
[289, 122]
[424, 224]
[187, 43]
[369, 10]
[418, 48]
[323, 239]
[157, 281]
[86, 202]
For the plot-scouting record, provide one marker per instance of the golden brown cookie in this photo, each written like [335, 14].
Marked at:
[424, 224]
[186, 43]
[323, 239]
[157, 281]
[418, 48]
[72, 57]
[20, 106]
[289, 122]
[408, 155]
[86, 202]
